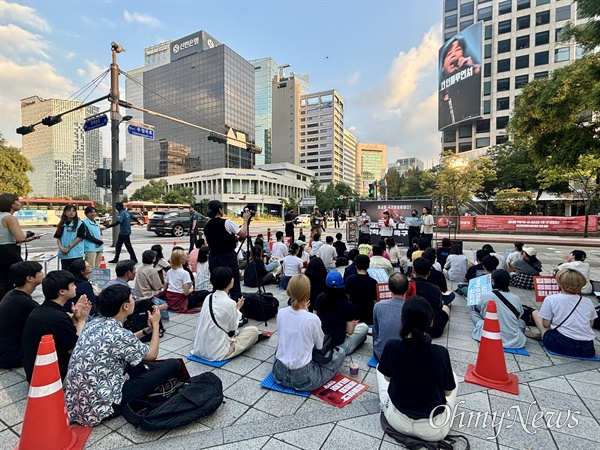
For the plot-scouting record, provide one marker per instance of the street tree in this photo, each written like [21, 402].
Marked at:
[343, 193]
[588, 35]
[514, 200]
[13, 170]
[394, 182]
[154, 191]
[291, 203]
[581, 179]
[180, 195]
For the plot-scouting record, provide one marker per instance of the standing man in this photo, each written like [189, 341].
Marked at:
[316, 221]
[290, 221]
[336, 218]
[364, 224]
[428, 223]
[124, 220]
[194, 227]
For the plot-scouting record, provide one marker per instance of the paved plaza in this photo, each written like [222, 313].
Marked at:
[566, 391]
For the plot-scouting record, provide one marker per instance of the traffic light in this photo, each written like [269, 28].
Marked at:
[371, 190]
[217, 138]
[120, 179]
[25, 130]
[102, 177]
[51, 120]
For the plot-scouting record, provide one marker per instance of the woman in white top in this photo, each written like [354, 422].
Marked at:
[427, 227]
[299, 333]
[292, 265]
[202, 271]
[387, 229]
[456, 265]
[178, 284]
[576, 260]
[565, 320]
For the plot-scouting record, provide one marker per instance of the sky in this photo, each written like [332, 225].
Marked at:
[381, 56]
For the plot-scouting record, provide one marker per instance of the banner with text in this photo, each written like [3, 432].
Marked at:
[536, 223]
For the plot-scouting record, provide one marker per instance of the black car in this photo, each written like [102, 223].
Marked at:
[175, 222]
[105, 221]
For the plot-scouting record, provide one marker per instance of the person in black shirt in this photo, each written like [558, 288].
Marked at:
[316, 273]
[362, 290]
[351, 268]
[339, 245]
[443, 252]
[431, 293]
[290, 220]
[15, 308]
[49, 318]
[413, 248]
[81, 270]
[438, 278]
[472, 271]
[415, 379]
[336, 218]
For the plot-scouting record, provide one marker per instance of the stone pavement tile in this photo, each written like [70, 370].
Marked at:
[386, 445]
[513, 410]
[178, 329]
[9, 378]
[227, 378]
[176, 345]
[276, 444]
[372, 406]
[590, 376]
[557, 401]
[478, 401]
[115, 423]
[279, 404]
[462, 355]
[466, 345]
[13, 413]
[241, 365]
[313, 405]
[473, 423]
[138, 435]
[579, 426]
[593, 405]
[516, 437]
[369, 425]
[204, 439]
[370, 380]
[193, 427]
[525, 394]
[261, 371]
[251, 444]
[14, 393]
[566, 441]
[272, 341]
[343, 439]
[98, 432]
[110, 442]
[225, 415]
[587, 390]
[558, 384]
[245, 390]
[8, 440]
[253, 415]
[478, 444]
[2, 426]
[196, 368]
[459, 367]
[261, 352]
[311, 438]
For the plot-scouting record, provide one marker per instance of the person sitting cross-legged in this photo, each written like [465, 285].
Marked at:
[110, 365]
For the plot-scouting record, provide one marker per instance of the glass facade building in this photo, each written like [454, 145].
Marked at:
[264, 71]
[370, 164]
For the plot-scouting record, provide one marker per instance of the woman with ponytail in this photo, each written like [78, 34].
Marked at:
[417, 388]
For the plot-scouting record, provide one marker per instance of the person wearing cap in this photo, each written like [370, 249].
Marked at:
[337, 315]
[299, 333]
[509, 308]
[124, 220]
[364, 226]
[316, 221]
[526, 268]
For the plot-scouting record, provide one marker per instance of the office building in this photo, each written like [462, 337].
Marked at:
[370, 165]
[264, 71]
[64, 156]
[322, 135]
[403, 165]
[521, 42]
[349, 159]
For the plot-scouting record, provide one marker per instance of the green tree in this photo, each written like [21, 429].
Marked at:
[180, 194]
[81, 197]
[13, 170]
[291, 203]
[395, 183]
[154, 191]
[124, 198]
[487, 189]
[511, 201]
[588, 35]
[581, 178]
[343, 195]
[414, 184]
[203, 206]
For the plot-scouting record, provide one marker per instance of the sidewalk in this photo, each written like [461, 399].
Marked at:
[256, 418]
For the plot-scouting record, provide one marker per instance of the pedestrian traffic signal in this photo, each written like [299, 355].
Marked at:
[371, 190]
[102, 177]
[120, 179]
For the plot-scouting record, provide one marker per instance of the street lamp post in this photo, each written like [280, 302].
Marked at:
[115, 120]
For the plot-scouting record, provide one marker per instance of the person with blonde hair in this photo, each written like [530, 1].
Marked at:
[299, 333]
[178, 284]
[570, 312]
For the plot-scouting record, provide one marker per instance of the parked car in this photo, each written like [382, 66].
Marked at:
[107, 220]
[174, 222]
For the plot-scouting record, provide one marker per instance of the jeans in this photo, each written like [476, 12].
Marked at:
[563, 345]
[311, 376]
[447, 299]
[143, 381]
[124, 239]
[65, 264]
[227, 260]
[355, 339]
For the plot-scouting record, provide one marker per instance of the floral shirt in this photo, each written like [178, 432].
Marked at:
[97, 369]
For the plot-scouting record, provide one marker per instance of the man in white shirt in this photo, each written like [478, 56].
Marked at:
[328, 253]
[280, 250]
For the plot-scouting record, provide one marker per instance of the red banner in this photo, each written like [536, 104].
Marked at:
[340, 390]
[544, 285]
[538, 224]
[466, 223]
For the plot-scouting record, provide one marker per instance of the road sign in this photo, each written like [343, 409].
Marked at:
[145, 131]
[95, 122]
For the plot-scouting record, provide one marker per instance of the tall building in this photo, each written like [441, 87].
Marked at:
[64, 156]
[403, 165]
[322, 135]
[349, 159]
[264, 71]
[370, 165]
[521, 42]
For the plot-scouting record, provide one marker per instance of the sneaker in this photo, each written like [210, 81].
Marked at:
[262, 337]
[242, 322]
[533, 335]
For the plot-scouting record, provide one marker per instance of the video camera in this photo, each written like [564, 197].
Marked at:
[251, 208]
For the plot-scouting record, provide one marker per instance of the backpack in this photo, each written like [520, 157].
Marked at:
[260, 306]
[139, 320]
[200, 397]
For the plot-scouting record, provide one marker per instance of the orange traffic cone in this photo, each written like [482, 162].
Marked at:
[103, 262]
[46, 424]
[490, 370]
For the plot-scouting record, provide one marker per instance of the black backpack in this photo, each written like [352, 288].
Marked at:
[139, 320]
[260, 306]
[201, 396]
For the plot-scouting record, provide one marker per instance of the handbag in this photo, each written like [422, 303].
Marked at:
[325, 354]
[210, 309]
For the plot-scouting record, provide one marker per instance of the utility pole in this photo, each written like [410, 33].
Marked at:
[115, 120]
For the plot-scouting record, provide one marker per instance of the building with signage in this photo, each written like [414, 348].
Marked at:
[63, 156]
[322, 135]
[203, 82]
[403, 165]
[370, 165]
[264, 187]
[521, 42]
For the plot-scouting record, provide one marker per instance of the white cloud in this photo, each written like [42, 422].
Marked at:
[70, 55]
[24, 15]
[17, 42]
[142, 19]
[353, 79]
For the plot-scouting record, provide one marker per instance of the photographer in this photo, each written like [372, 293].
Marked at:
[220, 235]
[290, 220]
[316, 221]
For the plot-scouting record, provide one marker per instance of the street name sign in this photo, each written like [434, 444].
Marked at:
[95, 122]
[145, 131]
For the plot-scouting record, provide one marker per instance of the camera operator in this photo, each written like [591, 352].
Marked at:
[316, 222]
[290, 220]
[220, 235]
